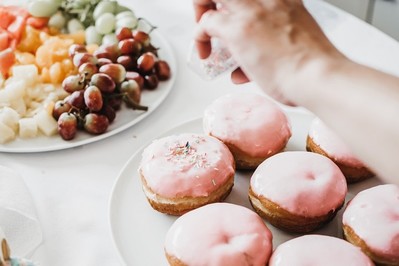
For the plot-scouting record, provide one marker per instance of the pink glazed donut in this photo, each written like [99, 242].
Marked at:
[297, 191]
[371, 221]
[324, 141]
[318, 250]
[183, 172]
[251, 125]
[219, 234]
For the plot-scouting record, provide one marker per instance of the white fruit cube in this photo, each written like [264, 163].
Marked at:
[4, 101]
[6, 133]
[15, 90]
[27, 128]
[46, 123]
[29, 73]
[34, 92]
[51, 97]
[19, 106]
[34, 105]
[9, 117]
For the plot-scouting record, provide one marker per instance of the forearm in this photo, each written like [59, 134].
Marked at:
[361, 105]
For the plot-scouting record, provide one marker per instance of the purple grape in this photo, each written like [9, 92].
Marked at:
[93, 98]
[67, 126]
[59, 108]
[95, 123]
[76, 99]
[116, 71]
[73, 83]
[103, 82]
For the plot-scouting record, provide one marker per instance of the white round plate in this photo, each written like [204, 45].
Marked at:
[138, 231]
[125, 117]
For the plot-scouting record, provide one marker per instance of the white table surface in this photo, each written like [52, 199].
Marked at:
[71, 188]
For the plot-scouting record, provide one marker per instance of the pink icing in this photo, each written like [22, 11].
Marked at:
[373, 214]
[332, 144]
[186, 165]
[220, 234]
[304, 183]
[251, 122]
[314, 250]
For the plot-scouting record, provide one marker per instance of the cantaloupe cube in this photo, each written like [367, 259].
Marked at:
[56, 73]
[6, 133]
[25, 58]
[27, 128]
[46, 123]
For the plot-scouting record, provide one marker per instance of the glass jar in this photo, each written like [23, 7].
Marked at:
[219, 61]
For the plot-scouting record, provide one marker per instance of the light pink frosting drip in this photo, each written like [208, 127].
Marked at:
[186, 165]
[332, 144]
[220, 234]
[373, 214]
[316, 250]
[304, 183]
[250, 122]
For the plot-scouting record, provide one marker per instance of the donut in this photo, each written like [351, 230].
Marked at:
[371, 222]
[324, 141]
[251, 125]
[219, 234]
[297, 191]
[318, 250]
[183, 172]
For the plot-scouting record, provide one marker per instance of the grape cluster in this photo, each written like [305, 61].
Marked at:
[99, 18]
[113, 74]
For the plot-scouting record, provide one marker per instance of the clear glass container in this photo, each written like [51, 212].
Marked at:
[219, 61]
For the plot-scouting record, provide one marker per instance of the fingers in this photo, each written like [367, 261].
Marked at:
[210, 25]
[236, 5]
[239, 77]
[203, 45]
[212, 16]
[201, 6]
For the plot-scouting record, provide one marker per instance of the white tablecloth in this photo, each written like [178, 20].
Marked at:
[71, 188]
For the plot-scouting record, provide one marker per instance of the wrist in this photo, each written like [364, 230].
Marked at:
[312, 78]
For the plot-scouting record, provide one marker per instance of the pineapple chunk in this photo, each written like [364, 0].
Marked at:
[46, 123]
[9, 117]
[6, 133]
[27, 128]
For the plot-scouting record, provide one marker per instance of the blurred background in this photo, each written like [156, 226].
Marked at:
[383, 14]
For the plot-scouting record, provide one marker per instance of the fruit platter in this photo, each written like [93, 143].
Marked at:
[76, 71]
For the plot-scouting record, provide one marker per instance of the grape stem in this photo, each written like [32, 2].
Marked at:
[152, 27]
[79, 114]
[133, 104]
[129, 101]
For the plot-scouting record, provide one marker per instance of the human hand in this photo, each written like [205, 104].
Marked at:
[272, 41]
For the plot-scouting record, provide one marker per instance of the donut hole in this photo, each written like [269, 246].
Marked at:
[310, 176]
[239, 240]
[393, 217]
